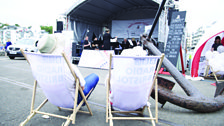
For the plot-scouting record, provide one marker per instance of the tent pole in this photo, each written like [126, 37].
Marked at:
[156, 18]
[182, 61]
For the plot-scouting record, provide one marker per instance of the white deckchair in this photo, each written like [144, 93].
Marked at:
[216, 74]
[54, 75]
[130, 84]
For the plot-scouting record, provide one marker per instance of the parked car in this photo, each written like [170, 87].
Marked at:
[27, 44]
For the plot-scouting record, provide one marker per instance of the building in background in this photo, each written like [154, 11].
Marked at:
[196, 36]
[188, 40]
[14, 33]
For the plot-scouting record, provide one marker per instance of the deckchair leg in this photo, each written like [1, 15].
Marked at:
[33, 112]
[59, 108]
[107, 100]
[33, 96]
[110, 115]
[106, 111]
[143, 109]
[214, 74]
[87, 104]
[76, 108]
[84, 98]
[150, 114]
[32, 105]
[89, 108]
[111, 122]
[67, 122]
[73, 116]
[27, 119]
[75, 103]
[156, 98]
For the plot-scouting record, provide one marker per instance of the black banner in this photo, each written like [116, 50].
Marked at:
[175, 36]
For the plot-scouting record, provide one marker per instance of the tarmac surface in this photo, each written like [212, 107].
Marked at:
[16, 83]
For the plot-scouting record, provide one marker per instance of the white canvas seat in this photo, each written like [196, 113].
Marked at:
[130, 83]
[214, 64]
[55, 76]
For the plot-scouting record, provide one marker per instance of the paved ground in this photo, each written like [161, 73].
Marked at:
[16, 83]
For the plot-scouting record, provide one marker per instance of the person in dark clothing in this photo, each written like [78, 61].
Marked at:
[125, 44]
[216, 44]
[86, 43]
[8, 43]
[134, 42]
[95, 46]
[139, 43]
[106, 40]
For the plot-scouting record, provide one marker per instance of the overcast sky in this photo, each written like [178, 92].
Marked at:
[44, 12]
[32, 12]
[202, 12]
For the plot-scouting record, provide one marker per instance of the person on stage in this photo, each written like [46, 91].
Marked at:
[95, 46]
[125, 44]
[86, 43]
[106, 40]
[134, 42]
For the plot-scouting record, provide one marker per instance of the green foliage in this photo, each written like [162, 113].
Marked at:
[2, 25]
[48, 29]
[17, 25]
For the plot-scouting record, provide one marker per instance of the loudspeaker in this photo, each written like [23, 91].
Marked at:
[59, 26]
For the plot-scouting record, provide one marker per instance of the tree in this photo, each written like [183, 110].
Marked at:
[48, 29]
[2, 25]
[17, 25]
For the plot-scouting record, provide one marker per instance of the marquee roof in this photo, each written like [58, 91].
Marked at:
[103, 11]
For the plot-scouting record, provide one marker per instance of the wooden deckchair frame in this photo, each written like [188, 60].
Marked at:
[76, 108]
[109, 112]
[208, 67]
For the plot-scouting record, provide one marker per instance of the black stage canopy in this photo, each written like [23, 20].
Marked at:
[104, 11]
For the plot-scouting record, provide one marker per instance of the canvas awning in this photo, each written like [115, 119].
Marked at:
[103, 11]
